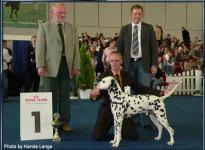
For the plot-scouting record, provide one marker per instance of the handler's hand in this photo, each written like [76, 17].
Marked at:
[75, 71]
[41, 71]
[94, 93]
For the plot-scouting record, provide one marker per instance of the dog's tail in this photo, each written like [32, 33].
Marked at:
[172, 90]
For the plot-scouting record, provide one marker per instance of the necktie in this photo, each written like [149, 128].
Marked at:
[135, 42]
[60, 30]
[117, 77]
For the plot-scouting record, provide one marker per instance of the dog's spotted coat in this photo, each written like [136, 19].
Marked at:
[125, 105]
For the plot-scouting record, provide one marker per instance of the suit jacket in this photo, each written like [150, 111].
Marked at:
[148, 45]
[127, 80]
[49, 47]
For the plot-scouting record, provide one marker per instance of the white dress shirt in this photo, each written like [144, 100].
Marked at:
[139, 25]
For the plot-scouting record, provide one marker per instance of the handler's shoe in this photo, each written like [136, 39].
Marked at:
[66, 128]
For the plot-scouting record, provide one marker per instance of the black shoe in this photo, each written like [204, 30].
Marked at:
[66, 128]
[149, 127]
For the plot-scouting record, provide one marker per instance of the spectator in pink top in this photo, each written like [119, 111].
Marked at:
[106, 53]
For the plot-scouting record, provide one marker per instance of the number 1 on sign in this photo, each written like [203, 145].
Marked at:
[36, 114]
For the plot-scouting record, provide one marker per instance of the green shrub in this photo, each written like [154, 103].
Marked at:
[86, 78]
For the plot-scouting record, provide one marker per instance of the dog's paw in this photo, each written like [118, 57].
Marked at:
[170, 142]
[112, 142]
[115, 145]
[157, 138]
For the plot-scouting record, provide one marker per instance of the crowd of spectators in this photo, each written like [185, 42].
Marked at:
[174, 56]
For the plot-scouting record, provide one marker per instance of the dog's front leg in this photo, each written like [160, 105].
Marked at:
[118, 129]
[115, 133]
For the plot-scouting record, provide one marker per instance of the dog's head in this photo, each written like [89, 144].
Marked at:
[107, 83]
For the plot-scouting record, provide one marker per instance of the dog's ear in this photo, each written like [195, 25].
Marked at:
[97, 82]
[98, 78]
[113, 85]
[112, 82]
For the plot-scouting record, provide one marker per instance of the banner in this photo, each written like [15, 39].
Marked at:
[24, 14]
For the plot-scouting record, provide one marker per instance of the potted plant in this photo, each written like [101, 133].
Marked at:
[86, 79]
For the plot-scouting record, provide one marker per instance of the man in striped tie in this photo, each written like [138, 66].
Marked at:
[137, 43]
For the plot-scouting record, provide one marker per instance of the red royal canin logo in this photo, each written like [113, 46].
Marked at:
[36, 99]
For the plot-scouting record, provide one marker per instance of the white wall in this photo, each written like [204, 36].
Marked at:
[108, 17]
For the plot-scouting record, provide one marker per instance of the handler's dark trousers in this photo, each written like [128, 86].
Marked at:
[105, 121]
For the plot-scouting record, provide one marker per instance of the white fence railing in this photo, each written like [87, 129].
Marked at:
[192, 83]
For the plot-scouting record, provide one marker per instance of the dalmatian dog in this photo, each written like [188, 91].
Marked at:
[124, 105]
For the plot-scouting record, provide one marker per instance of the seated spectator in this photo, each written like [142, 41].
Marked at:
[170, 63]
[157, 79]
[178, 54]
[198, 57]
[94, 46]
[161, 50]
[100, 44]
[185, 53]
[186, 65]
[196, 40]
[174, 42]
[185, 58]
[165, 59]
[197, 52]
[168, 40]
[93, 52]
[192, 50]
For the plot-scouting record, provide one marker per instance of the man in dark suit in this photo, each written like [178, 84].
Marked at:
[32, 77]
[104, 116]
[138, 45]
